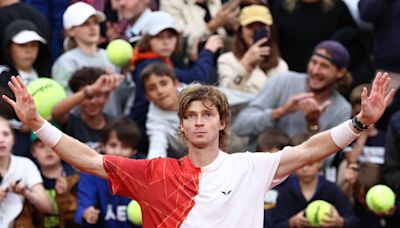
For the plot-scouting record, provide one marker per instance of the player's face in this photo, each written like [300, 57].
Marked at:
[114, 146]
[45, 155]
[201, 124]
[24, 55]
[322, 74]
[162, 90]
[6, 139]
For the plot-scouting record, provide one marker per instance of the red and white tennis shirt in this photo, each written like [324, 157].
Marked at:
[229, 192]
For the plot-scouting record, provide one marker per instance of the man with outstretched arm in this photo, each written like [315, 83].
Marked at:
[207, 187]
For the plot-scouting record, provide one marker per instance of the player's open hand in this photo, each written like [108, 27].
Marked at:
[24, 106]
[373, 106]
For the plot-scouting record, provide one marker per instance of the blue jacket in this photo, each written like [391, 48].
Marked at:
[95, 191]
[291, 201]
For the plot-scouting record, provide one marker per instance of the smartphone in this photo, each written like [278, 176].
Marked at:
[261, 32]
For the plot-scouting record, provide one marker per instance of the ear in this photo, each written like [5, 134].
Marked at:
[181, 127]
[222, 125]
[341, 72]
[70, 32]
[177, 83]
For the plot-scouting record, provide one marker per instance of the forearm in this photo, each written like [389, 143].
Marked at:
[65, 106]
[318, 147]
[69, 149]
[252, 121]
[38, 197]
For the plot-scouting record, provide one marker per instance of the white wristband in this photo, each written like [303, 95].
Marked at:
[343, 135]
[49, 134]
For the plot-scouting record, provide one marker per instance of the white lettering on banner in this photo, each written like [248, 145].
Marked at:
[120, 214]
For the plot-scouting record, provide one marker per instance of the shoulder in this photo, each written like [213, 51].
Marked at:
[22, 161]
[227, 56]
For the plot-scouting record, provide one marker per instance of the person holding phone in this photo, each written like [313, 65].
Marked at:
[254, 55]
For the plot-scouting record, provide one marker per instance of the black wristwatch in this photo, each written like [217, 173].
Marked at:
[358, 125]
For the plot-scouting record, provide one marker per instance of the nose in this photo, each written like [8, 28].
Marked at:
[199, 121]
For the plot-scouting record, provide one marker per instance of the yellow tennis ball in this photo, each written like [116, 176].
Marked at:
[316, 211]
[380, 198]
[134, 212]
[119, 52]
[46, 93]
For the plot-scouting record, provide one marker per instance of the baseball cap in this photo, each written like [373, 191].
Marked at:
[77, 13]
[255, 13]
[340, 57]
[158, 21]
[27, 36]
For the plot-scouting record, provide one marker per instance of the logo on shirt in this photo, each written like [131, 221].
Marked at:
[226, 192]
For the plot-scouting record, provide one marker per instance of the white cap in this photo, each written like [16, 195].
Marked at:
[158, 21]
[77, 13]
[27, 36]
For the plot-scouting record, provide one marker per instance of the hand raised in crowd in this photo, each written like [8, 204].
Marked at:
[91, 215]
[61, 183]
[373, 106]
[105, 84]
[313, 110]
[227, 15]
[292, 105]
[299, 220]
[214, 43]
[255, 54]
[335, 220]
[18, 187]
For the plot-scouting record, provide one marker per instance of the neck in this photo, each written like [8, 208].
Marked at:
[4, 163]
[52, 171]
[5, 3]
[89, 49]
[308, 187]
[203, 156]
[97, 122]
[133, 19]
[322, 95]
[24, 69]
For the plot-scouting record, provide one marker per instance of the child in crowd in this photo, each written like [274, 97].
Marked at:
[159, 42]
[272, 140]
[60, 181]
[96, 205]
[82, 25]
[20, 181]
[26, 54]
[161, 89]
[358, 179]
[91, 87]
[301, 189]
[370, 146]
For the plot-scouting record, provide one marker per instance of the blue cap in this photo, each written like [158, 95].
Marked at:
[340, 57]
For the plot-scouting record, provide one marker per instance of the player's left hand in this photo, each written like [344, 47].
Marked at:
[373, 106]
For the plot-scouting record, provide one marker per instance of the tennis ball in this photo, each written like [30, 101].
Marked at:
[134, 212]
[380, 198]
[119, 52]
[46, 93]
[316, 211]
